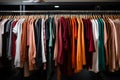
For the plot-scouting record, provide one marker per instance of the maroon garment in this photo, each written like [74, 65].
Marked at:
[60, 42]
[66, 67]
[63, 40]
[68, 56]
[89, 42]
[66, 39]
[13, 41]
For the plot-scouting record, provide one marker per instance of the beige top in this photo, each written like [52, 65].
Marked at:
[112, 56]
[56, 41]
[117, 26]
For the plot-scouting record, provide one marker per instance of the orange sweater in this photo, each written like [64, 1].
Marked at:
[74, 40]
[23, 47]
[80, 57]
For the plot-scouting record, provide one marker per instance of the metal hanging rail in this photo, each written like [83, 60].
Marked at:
[63, 12]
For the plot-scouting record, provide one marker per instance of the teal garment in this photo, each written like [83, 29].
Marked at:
[50, 50]
[51, 34]
[101, 53]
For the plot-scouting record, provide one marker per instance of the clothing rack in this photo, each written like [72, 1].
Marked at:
[17, 8]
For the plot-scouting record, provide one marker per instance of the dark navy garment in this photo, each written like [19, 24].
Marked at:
[37, 28]
[4, 44]
[8, 33]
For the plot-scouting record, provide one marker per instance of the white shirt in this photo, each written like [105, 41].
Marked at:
[95, 37]
[18, 31]
[42, 41]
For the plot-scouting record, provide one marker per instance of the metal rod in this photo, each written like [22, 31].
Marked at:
[33, 11]
[20, 9]
[23, 9]
[65, 12]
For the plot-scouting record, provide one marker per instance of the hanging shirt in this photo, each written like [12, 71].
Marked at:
[68, 60]
[51, 34]
[56, 41]
[63, 40]
[1, 32]
[60, 50]
[18, 31]
[8, 32]
[23, 49]
[101, 45]
[109, 44]
[113, 46]
[95, 37]
[115, 36]
[47, 48]
[31, 44]
[74, 40]
[66, 53]
[80, 56]
[89, 42]
[43, 41]
[13, 40]
[106, 40]
[50, 46]
[50, 49]
[56, 48]
[4, 45]
[117, 26]
[38, 36]
[23, 46]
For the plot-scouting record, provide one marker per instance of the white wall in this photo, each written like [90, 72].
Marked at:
[65, 0]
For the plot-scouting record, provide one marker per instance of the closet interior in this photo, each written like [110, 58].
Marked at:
[60, 41]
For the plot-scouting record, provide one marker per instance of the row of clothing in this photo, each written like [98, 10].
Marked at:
[70, 43]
